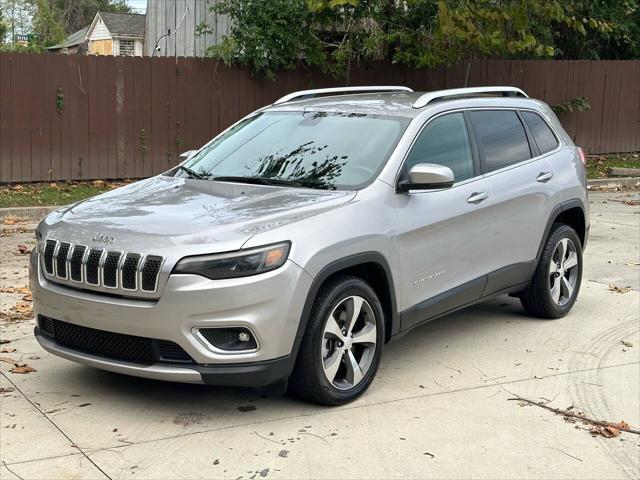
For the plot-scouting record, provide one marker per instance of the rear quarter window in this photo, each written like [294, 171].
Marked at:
[501, 138]
[542, 133]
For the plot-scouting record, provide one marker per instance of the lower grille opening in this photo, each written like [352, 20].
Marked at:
[116, 346]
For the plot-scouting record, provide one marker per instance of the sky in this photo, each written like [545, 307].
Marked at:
[139, 6]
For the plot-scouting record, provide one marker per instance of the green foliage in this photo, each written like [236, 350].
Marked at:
[4, 27]
[59, 100]
[269, 35]
[47, 24]
[578, 104]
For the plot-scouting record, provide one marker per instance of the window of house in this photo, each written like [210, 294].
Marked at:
[542, 134]
[444, 141]
[127, 48]
[501, 138]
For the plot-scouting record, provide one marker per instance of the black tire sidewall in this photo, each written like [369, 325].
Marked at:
[559, 232]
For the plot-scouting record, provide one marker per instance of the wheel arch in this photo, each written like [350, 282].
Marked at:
[571, 213]
[373, 268]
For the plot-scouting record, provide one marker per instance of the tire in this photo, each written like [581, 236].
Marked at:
[324, 343]
[550, 295]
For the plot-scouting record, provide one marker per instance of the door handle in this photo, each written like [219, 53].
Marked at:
[477, 197]
[544, 177]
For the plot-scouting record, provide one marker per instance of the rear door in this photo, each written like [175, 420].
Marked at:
[522, 183]
[444, 237]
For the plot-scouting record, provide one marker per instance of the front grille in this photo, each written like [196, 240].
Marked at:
[110, 269]
[61, 259]
[97, 267]
[116, 346]
[76, 263]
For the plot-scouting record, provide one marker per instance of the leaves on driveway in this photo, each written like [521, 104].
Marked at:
[610, 431]
[23, 249]
[617, 289]
[22, 369]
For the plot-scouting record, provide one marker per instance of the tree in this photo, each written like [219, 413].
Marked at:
[76, 14]
[46, 24]
[268, 35]
[3, 27]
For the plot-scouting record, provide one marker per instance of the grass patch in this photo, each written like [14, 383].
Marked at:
[597, 165]
[58, 193]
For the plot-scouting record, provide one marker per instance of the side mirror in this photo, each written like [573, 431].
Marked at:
[426, 176]
[187, 154]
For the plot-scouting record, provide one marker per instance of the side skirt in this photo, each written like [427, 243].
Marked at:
[513, 278]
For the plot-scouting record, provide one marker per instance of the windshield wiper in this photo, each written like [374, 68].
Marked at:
[192, 173]
[259, 181]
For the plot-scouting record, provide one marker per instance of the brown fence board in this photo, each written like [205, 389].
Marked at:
[132, 117]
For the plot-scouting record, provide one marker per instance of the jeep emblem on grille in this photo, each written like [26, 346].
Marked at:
[106, 239]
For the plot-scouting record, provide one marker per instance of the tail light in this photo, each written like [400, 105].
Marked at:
[583, 157]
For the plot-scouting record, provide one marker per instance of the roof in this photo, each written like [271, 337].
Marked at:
[395, 104]
[75, 38]
[124, 23]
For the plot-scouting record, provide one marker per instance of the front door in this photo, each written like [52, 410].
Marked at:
[444, 237]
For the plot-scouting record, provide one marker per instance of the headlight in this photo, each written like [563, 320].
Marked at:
[242, 263]
[39, 239]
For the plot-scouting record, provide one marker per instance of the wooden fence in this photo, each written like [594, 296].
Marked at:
[78, 117]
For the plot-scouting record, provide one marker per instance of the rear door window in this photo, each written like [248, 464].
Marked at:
[542, 133]
[501, 138]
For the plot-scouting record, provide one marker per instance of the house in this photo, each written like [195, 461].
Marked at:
[116, 34]
[74, 44]
[171, 27]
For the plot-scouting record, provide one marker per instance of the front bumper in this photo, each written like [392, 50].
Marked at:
[270, 305]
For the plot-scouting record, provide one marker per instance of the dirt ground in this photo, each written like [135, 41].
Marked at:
[443, 404]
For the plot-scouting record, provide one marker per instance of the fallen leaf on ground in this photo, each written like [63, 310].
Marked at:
[7, 350]
[23, 307]
[7, 359]
[4, 390]
[22, 369]
[24, 250]
[626, 344]
[3, 341]
[617, 289]
[607, 432]
[7, 290]
[28, 298]
[12, 220]
[24, 290]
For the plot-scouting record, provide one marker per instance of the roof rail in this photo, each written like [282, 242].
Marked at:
[427, 98]
[339, 91]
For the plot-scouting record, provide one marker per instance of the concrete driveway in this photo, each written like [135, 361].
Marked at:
[440, 406]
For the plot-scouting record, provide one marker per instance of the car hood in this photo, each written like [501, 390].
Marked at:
[162, 212]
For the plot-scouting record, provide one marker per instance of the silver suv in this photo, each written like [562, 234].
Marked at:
[297, 243]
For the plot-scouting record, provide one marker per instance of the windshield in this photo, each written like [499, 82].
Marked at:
[342, 151]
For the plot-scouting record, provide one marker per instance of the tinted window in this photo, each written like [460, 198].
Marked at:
[544, 137]
[501, 137]
[314, 149]
[444, 141]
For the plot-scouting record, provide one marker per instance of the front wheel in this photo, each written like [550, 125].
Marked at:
[342, 345]
[556, 282]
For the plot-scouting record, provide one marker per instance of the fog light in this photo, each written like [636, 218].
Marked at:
[231, 339]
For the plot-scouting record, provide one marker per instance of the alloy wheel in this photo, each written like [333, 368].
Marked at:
[349, 342]
[563, 272]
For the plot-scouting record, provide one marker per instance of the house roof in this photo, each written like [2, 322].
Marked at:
[124, 23]
[75, 38]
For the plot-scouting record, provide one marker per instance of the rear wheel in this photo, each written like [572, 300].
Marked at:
[341, 348]
[556, 282]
